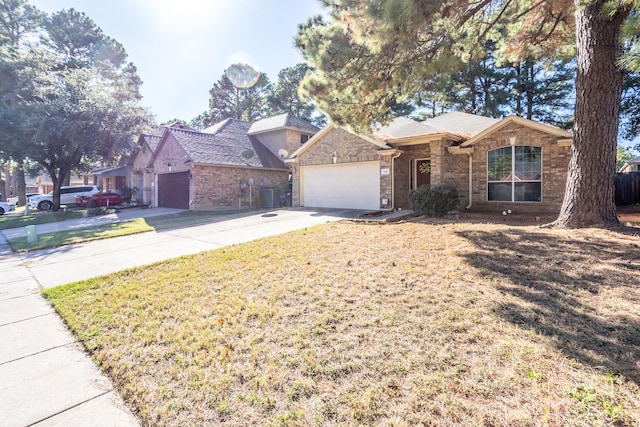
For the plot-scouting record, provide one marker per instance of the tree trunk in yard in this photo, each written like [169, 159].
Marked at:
[590, 195]
[21, 184]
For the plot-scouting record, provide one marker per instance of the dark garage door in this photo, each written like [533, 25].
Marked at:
[173, 190]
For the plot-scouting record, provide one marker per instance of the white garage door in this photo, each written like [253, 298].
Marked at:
[349, 185]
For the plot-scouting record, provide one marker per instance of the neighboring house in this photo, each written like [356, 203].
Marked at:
[233, 164]
[44, 184]
[141, 173]
[111, 178]
[513, 163]
[632, 165]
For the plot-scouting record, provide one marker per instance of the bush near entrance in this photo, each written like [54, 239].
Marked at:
[434, 201]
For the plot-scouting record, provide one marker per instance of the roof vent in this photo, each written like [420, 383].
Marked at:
[247, 154]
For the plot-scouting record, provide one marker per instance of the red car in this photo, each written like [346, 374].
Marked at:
[100, 199]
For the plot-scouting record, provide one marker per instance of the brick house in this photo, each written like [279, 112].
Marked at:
[513, 163]
[141, 173]
[233, 164]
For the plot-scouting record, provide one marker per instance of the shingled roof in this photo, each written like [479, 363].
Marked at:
[282, 121]
[151, 140]
[402, 127]
[227, 144]
[459, 123]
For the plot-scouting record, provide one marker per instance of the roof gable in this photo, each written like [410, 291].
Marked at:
[324, 131]
[152, 141]
[282, 121]
[548, 129]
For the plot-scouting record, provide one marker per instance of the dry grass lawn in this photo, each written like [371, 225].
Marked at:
[392, 325]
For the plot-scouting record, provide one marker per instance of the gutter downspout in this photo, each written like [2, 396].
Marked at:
[470, 182]
[393, 185]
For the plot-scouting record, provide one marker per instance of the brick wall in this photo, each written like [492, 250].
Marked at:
[555, 160]
[348, 147]
[403, 167]
[214, 187]
[457, 174]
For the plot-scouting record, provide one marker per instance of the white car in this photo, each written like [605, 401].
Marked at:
[68, 195]
[6, 207]
[14, 200]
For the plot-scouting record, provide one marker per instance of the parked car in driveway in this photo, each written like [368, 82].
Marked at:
[6, 207]
[100, 199]
[68, 195]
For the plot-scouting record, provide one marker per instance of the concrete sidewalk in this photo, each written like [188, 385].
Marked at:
[46, 378]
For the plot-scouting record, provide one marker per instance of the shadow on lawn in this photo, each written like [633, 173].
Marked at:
[555, 280]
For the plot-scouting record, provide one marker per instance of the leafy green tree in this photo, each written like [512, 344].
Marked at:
[241, 102]
[20, 27]
[624, 155]
[285, 97]
[73, 99]
[20, 23]
[631, 107]
[371, 52]
[201, 121]
[172, 121]
[543, 90]
[79, 43]
[481, 87]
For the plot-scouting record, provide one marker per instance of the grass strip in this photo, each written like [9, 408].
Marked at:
[61, 238]
[123, 228]
[17, 221]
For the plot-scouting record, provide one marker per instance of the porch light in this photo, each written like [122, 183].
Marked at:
[334, 156]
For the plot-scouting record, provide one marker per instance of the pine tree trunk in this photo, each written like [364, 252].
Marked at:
[589, 196]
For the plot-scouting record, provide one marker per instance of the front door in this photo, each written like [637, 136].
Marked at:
[422, 173]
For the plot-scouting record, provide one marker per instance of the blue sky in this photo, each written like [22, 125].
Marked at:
[182, 47]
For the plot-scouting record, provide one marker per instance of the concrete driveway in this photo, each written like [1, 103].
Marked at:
[53, 267]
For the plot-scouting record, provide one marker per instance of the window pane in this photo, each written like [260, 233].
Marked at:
[500, 192]
[499, 164]
[528, 163]
[528, 192]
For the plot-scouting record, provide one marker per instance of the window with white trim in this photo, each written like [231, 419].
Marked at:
[514, 174]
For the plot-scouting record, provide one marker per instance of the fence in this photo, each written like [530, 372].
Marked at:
[627, 188]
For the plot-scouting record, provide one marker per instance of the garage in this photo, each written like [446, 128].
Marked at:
[348, 185]
[173, 190]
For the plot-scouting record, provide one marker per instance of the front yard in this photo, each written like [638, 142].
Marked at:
[353, 324]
